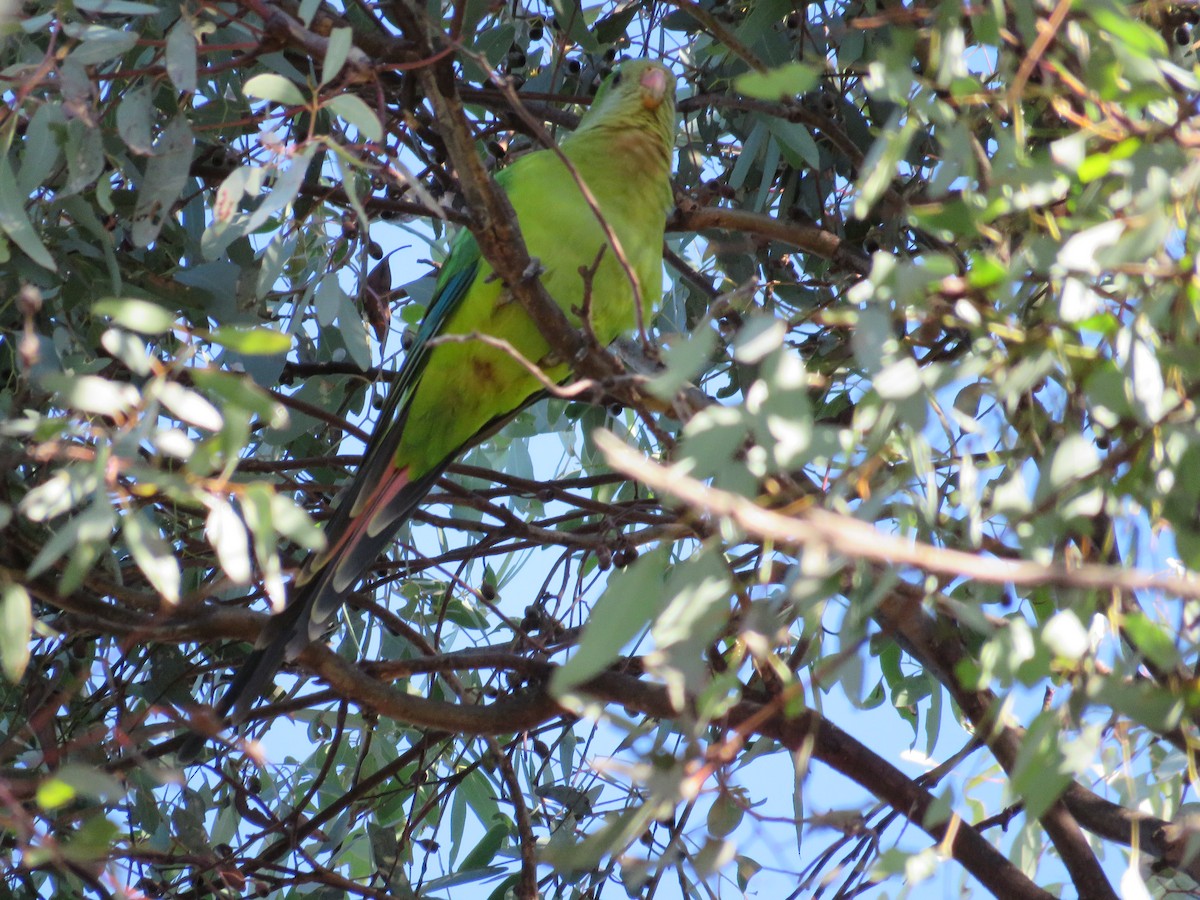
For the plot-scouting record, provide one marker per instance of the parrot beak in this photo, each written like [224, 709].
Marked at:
[654, 87]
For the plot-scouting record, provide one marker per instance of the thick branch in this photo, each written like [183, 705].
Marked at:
[940, 651]
[807, 238]
[526, 711]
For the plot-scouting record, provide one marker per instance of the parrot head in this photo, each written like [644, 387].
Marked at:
[637, 90]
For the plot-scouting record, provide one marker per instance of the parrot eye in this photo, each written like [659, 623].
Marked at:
[616, 79]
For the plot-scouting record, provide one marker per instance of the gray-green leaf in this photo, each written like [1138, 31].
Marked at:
[16, 625]
[152, 554]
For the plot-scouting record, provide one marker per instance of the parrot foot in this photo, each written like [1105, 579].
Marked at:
[532, 271]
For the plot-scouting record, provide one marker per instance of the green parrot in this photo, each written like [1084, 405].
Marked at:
[449, 395]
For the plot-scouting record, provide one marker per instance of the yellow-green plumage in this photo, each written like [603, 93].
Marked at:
[623, 153]
[446, 395]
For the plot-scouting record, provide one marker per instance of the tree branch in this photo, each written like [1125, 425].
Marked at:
[856, 539]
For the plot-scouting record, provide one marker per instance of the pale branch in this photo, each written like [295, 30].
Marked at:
[856, 539]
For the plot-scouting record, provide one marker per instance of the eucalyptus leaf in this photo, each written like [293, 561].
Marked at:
[152, 554]
[630, 602]
[16, 625]
[181, 55]
[137, 315]
[358, 114]
[15, 223]
[269, 86]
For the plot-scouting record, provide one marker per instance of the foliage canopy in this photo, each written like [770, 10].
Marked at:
[907, 461]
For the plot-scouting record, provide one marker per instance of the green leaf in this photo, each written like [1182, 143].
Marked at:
[292, 521]
[84, 155]
[141, 316]
[1039, 775]
[16, 628]
[83, 534]
[93, 394]
[353, 333]
[117, 7]
[778, 84]
[336, 51]
[167, 173]
[747, 868]
[327, 300]
[308, 9]
[696, 589]
[619, 830]
[135, 120]
[94, 784]
[713, 856]
[284, 190]
[181, 56]
[257, 510]
[1065, 637]
[759, 337]
[629, 603]
[879, 167]
[751, 149]
[1134, 36]
[506, 888]
[725, 815]
[128, 349]
[796, 142]
[1074, 458]
[41, 150]
[684, 360]
[1152, 641]
[573, 20]
[1079, 252]
[275, 259]
[611, 28]
[187, 405]
[99, 43]
[487, 848]
[152, 554]
[251, 341]
[229, 537]
[15, 223]
[175, 443]
[239, 391]
[54, 793]
[93, 840]
[1138, 359]
[358, 114]
[270, 86]
[465, 876]
[73, 780]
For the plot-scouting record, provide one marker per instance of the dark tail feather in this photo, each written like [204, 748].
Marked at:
[254, 675]
[289, 632]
